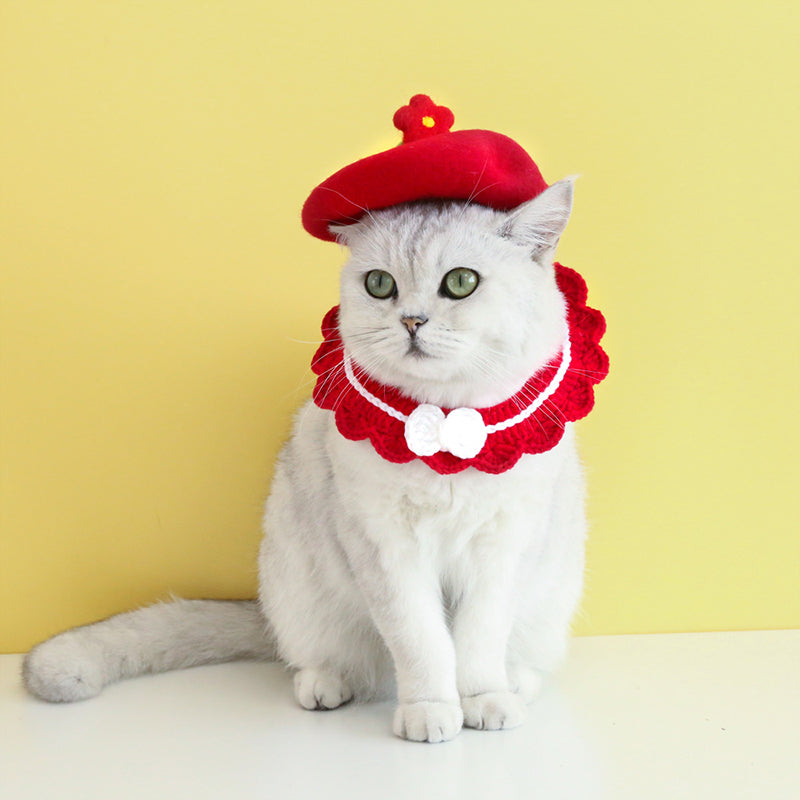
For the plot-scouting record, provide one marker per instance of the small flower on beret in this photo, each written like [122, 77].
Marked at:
[421, 118]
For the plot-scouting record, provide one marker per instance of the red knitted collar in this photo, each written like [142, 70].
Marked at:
[559, 393]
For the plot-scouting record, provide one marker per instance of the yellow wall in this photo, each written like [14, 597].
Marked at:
[159, 298]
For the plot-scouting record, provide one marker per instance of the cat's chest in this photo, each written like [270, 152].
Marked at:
[416, 498]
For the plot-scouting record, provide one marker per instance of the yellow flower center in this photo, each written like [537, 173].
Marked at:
[428, 122]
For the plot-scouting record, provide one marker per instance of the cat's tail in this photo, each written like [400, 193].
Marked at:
[78, 663]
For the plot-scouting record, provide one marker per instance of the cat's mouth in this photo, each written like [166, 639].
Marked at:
[415, 350]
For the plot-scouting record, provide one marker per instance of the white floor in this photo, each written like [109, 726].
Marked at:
[645, 717]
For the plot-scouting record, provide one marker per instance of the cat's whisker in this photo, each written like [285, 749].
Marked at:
[362, 372]
[334, 350]
[352, 202]
[327, 375]
[553, 413]
[366, 370]
[493, 370]
[329, 380]
[472, 194]
[307, 379]
[587, 373]
[547, 408]
[308, 376]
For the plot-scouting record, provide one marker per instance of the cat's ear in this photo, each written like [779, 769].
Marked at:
[345, 234]
[538, 224]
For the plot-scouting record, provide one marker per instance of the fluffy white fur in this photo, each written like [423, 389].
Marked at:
[454, 590]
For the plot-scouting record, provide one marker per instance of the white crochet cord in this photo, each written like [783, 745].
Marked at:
[547, 393]
[500, 426]
[354, 382]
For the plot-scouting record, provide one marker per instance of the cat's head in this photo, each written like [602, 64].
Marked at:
[453, 303]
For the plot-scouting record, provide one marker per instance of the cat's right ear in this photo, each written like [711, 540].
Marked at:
[538, 224]
[344, 233]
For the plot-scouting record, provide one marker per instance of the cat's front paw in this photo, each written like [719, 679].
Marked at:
[317, 689]
[428, 722]
[493, 711]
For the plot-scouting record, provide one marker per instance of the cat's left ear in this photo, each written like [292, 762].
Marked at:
[538, 224]
[345, 234]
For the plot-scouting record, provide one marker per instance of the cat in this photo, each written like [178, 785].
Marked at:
[454, 590]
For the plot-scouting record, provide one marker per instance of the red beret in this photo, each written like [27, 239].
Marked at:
[431, 163]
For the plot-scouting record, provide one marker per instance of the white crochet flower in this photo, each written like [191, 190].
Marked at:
[463, 433]
[422, 430]
[428, 431]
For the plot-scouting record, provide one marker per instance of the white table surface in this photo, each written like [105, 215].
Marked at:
[645, 717]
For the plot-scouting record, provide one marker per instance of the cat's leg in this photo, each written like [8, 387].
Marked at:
[481, 629]
[403, 593]
[524, 681]
[337, 657]
[318, 689]
[322, 626]
[324, 633]
[549, 584]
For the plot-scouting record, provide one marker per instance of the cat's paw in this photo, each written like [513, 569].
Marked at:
[318, 689]
[428, 722]
[525, 682]
[493, 711]
[62, 670]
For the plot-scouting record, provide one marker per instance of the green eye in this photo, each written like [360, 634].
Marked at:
[380, 284]
[459, 283]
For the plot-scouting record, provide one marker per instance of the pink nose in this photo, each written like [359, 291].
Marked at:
[412, 323]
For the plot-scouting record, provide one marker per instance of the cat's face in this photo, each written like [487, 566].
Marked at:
[454, 304]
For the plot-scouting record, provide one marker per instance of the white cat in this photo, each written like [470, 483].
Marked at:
[454, 589]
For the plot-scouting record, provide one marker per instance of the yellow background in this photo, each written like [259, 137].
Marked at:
[159, 299]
